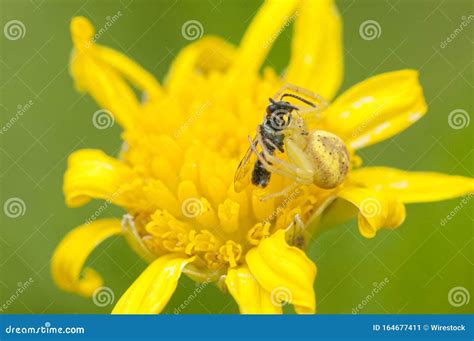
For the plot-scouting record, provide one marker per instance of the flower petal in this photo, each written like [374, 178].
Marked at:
[377, 108]
[267, 24]
[316, 54]
[284, 270]
[102, 72]
[133, 72]
[70, 255]
[250, 296]
[203, 56]
[93, 174]
[376, 209]
[411, 187]
[150, 292]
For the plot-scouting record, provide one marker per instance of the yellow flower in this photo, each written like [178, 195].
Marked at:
[174, 176]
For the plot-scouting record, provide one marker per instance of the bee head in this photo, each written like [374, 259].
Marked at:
[279, 114]
[282, 106]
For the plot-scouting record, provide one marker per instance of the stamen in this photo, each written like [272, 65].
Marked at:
[258, 232]
[204, 241]
[231, 252]
[213, 260]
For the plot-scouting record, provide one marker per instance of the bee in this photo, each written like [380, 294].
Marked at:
[312, 157]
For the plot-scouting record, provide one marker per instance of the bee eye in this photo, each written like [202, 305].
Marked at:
[270, 109]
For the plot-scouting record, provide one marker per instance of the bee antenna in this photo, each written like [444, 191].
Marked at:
[272, 100]
[298, 98]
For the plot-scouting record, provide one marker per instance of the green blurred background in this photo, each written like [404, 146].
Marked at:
[422, 260]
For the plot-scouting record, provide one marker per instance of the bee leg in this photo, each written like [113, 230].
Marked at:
[295, 233]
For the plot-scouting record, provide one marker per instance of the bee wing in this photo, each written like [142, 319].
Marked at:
[241, 177]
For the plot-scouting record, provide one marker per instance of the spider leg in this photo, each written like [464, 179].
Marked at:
[265, 163]
[290, 169]
[295, 233]
[318, 100]
[283, 192]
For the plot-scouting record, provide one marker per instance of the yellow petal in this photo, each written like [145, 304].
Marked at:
[377, 108]
[316, 55]
[285, 272]
[150, 292]
[93, 174]
[249, 295]
[103, 73]
[70, 255]
[376, 209]
[410, 187]
[203, 56]
[271, 19]
[100, 80]
[137, 75]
